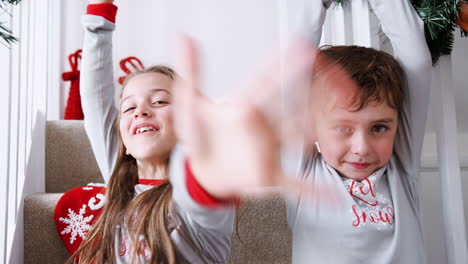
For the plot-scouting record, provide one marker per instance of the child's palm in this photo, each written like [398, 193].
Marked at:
[234, 147]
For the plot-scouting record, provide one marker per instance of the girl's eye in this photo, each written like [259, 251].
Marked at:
[379, 129]
[129, 109]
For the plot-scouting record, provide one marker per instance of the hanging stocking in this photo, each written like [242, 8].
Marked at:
[73, 109]
[130, 65]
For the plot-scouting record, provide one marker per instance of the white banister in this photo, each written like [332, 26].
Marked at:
[25, 79]
[340, 26]
[361, 23]
[443, 111]
[4, 136]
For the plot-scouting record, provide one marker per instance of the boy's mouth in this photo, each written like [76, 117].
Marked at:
[359, 165]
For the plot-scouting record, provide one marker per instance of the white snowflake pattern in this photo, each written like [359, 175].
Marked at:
[77, 224]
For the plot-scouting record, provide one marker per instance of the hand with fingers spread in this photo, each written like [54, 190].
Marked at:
[230, 145]
[234, 147]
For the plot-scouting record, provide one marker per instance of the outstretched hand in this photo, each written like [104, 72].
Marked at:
[234, 147]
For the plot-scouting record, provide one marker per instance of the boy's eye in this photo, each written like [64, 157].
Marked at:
[160, 102]
[343, 130]
[379, 128]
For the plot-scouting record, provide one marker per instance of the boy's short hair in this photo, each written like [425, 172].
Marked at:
[377, 73]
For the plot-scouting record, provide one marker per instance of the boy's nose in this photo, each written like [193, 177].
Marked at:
[360, 144]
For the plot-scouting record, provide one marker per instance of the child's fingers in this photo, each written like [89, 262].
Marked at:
[280, 88]
[283, 68]
[331, 84]
[188, 62]
[293, 187]
[185, 89]
[328, 85]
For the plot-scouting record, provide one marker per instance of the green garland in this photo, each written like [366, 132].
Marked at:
[439, 17]
[5, 33]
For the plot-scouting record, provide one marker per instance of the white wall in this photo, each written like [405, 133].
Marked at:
[233, 34]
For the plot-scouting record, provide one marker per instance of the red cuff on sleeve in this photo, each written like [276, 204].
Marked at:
[198, 194]
[105, 10]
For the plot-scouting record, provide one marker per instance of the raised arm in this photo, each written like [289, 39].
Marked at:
[97, 83]
[405, 29]
[306, 17]
[208, 221]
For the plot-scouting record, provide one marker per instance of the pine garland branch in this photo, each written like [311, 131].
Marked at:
[5, 33]
[341, 2]
[439, 18]
[13, 2]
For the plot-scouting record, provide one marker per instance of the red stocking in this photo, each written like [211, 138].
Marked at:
[73, 109]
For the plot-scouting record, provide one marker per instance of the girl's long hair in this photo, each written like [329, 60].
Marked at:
[146, 216]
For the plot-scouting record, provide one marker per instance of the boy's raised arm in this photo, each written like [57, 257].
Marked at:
[306, 18]
[97, 83]
[405, 29]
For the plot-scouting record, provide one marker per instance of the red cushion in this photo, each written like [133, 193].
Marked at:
[76, 212]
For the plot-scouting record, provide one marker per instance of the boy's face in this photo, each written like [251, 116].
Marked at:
[356, 143]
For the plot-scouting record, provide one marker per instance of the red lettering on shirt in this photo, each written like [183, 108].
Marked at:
[126, 247]
[373, 217]
[355, 191]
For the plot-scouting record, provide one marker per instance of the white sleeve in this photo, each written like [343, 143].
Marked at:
[405, 29]
[97, 91]
[210, 228]
[306, 18]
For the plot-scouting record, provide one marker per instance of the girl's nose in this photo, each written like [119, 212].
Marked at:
[139, 112]
[140, 115]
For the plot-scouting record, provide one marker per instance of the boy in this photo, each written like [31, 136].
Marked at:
[367, 155]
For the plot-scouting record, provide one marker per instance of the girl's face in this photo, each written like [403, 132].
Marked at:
[146, 117]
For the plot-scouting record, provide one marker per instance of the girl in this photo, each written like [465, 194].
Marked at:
[146, 219]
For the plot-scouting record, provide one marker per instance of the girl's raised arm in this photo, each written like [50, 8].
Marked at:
[97, 83]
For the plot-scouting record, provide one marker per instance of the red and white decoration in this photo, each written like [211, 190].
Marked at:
[76, 212]
[73, 109]
[129, 65]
